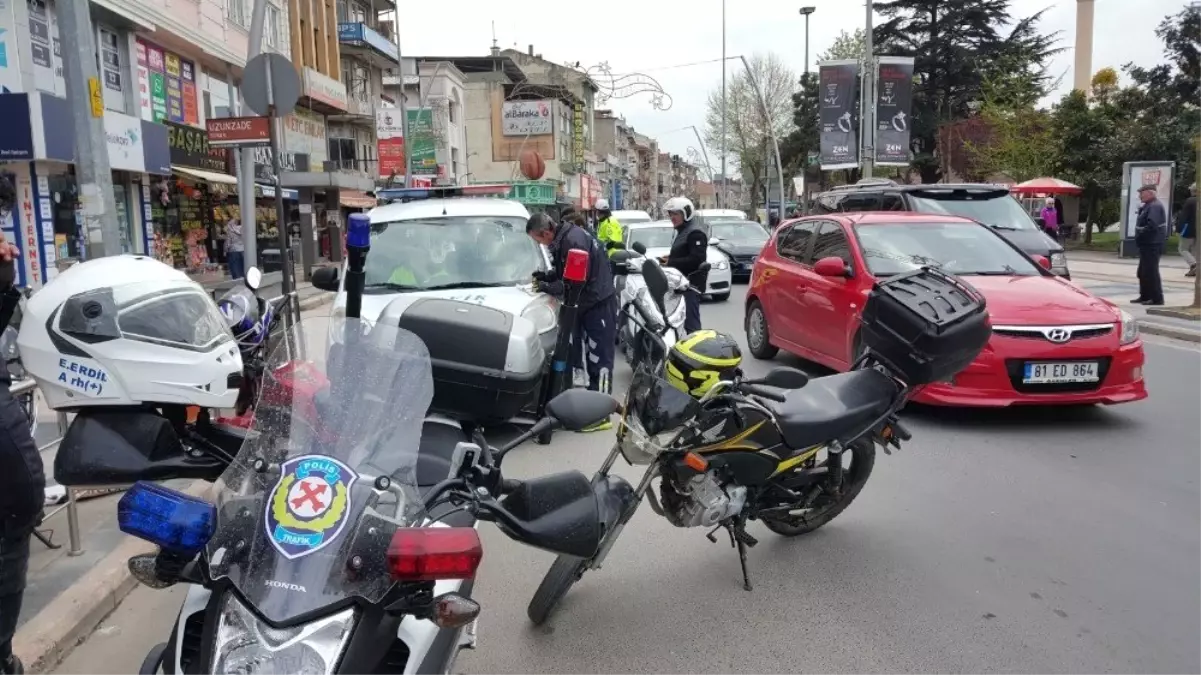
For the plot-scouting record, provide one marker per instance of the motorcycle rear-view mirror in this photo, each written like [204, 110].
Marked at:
[578, 409]
[639, 247]
[254, 278]
[557, 513]
[326, 278]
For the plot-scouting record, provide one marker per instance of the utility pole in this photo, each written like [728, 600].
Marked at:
[805, 12]
[246, 206]
[803, 203]
[404, 106]
[771, 132]
[722, 202]
[92, 171]
[868, 97]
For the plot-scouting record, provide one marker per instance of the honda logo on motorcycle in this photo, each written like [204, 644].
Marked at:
[1058, 335]
[308, 506]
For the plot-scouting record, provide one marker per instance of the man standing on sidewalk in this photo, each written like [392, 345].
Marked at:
[1186, 225]
[22, 481]
[1150, 233]
[235, 249]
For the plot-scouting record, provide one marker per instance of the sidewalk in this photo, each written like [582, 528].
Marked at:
[1114, 279]
[67, 596]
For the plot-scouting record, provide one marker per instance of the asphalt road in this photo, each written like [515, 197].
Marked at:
[1012, 541]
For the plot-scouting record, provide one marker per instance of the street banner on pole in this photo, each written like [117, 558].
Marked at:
[839, 93]
[894, 101]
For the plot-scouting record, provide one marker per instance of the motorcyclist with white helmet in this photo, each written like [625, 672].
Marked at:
[689, 251]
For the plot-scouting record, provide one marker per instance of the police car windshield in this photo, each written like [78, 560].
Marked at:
[450, 252]
[652, 237]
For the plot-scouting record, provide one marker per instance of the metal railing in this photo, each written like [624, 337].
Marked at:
[27, 386]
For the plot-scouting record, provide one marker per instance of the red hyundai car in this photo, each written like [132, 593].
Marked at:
[1052, 342]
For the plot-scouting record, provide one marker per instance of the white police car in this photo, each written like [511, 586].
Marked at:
[464, 244]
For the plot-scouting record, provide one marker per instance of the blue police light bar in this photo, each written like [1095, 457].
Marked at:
[175, 521]
[358, 230]
[442, 192]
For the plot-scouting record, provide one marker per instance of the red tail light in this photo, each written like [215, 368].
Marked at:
[432, 553]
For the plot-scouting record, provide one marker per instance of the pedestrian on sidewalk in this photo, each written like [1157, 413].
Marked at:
[22, 480]
[1186, 225]
[235, 248]
[1150, 234]
[1050, 216]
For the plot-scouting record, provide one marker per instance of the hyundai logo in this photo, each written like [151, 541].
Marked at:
[1058, 335]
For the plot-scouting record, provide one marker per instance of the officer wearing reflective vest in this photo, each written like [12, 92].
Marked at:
[608, 230]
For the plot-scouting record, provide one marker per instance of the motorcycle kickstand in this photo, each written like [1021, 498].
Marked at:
[742, 540]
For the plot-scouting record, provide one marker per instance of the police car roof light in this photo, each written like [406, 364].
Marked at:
[576, 267]
[445, 192]
[175, 521]
[358, 230]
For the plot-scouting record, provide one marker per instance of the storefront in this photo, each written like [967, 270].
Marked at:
[190, 208]
[37, 148]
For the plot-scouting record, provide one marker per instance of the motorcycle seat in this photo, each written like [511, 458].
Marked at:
[833, 407]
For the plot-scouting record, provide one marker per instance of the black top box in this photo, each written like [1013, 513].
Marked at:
[926, 325]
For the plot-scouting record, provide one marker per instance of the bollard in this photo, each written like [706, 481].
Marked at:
[73, 524]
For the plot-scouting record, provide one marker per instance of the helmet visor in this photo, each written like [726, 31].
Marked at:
[181, 316]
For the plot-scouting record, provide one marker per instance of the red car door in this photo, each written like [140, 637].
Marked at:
[788, 285]
[832, 304]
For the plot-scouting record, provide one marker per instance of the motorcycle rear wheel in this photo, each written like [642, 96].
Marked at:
[562, 575]
[863, 458]
[154, 659]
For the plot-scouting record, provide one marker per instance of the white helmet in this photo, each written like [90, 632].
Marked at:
[602, 205]
[680, 204]
[128, 330]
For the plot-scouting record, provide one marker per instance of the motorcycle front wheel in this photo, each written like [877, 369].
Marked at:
[559, 579]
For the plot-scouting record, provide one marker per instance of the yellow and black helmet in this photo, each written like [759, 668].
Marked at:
[701, 359]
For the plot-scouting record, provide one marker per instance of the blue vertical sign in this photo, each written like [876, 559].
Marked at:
[617, 196]
[11, 227]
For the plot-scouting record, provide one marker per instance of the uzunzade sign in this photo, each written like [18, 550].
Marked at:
[190, 148]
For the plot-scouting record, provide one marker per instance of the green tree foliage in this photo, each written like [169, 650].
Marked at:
[957, 47]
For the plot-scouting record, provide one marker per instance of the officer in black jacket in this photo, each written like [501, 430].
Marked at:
[22, 483]
[597, 314]
[689, 251]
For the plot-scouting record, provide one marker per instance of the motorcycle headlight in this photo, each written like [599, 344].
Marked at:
[1129, 328]
[542, 313]
[246, 645]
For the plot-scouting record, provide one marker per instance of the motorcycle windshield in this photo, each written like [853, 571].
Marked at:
[327, 473]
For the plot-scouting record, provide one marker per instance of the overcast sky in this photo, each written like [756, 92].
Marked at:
[651, 36]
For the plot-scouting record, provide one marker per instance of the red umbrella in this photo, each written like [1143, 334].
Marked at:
[1047, 186]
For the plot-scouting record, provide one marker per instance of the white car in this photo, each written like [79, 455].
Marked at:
[657, 236]
[716, 215]
[631, 217]
[442, 244]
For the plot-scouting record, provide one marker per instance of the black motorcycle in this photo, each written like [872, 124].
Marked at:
[785, 449]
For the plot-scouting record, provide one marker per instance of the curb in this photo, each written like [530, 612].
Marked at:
[46, 639]
[1156, 328]
[315, 301]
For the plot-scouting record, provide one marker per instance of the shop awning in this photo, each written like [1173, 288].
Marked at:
[356, 200]
[207, 176]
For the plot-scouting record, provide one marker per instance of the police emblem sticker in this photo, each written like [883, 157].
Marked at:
[308, 506]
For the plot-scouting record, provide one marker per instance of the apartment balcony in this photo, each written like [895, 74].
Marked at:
[363, 41]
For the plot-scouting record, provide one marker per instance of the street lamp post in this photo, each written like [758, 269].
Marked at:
[721, 202]
[868, 129]
[750, 76]
[805, 12]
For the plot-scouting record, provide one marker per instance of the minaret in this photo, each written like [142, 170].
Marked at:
[1083, 71]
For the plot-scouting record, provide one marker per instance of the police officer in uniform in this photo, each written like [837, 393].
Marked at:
[689, 251]
[597, 314]
[22, 482]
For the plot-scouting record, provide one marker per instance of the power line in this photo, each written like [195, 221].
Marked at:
[662, 68]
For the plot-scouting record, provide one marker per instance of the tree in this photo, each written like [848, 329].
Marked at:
[846, 46]
[1085, 134]
[747, 140]
[1021, 142]
[956, 47]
